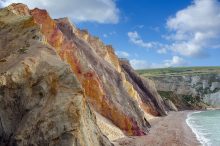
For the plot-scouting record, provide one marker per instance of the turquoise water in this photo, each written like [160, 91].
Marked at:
[206, 126]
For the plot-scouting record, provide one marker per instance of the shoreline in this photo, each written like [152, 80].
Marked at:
[199, 138]
[199, 134]
[165, 131]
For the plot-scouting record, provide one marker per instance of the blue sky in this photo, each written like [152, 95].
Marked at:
[150, 33]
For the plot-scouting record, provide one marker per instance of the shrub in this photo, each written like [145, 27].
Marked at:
[22, 50]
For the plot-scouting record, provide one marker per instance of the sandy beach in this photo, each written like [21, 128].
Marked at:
[171, 130]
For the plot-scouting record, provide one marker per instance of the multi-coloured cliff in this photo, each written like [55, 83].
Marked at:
[55, 76]
[41, 100]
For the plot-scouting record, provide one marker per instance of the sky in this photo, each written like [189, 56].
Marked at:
[149, 33]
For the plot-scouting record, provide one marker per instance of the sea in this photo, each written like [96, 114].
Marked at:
[206, 126]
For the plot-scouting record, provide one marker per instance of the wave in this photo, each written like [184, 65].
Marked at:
[199, 135]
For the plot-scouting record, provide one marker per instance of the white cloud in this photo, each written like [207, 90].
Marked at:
[135, 38]
[175, 61]
[122, 54]
[106, 35]
[156, 29]
[192, 31]
[162, 51]
[139, 64]
[143, 64]
[195, 28]
[101, 11]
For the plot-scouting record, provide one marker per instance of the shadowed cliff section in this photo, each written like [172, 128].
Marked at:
[114, 91]
[147, 91]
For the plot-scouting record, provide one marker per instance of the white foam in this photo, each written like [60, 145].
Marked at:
[199, 135]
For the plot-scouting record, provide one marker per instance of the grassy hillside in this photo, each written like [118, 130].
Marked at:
[179, 71]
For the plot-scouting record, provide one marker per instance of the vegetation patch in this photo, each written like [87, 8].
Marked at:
[216, 90]
[191, 99]
[22, 50]
[179, 71]
[183, 102]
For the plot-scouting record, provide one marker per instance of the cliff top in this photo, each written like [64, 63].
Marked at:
[179, 71]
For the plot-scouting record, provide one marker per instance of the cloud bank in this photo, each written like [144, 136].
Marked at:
[122, 54]
[195, 28]
[173, 62]
[136, 39]
[191, 32]
[101, 11]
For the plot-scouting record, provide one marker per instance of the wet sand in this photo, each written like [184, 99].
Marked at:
[171, 130]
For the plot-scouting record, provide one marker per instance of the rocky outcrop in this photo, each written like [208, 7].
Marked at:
[152, 102]
[192, 90]
[41, 100]
[170, 105]
[98, 80]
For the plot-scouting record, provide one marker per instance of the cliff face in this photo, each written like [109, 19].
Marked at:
[151, 100]
[103, 84]
[98, 78]
[97, 68]
[191, 88]
[41, 100]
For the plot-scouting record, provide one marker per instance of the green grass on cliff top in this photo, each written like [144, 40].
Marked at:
[178, 71]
